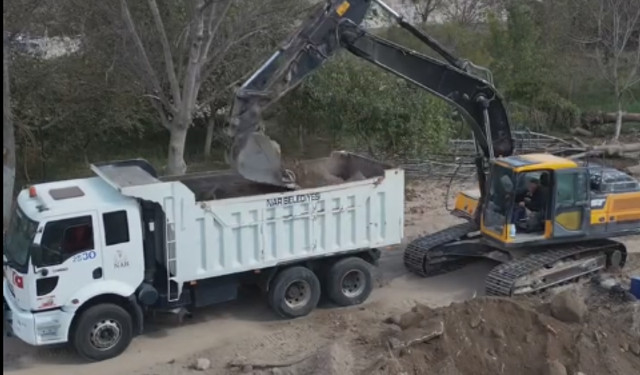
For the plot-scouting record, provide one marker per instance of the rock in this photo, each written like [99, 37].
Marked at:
[555, 368]
[202, 364]
[394, 343]
[395, 319]
[568, 307]
[475, 322]
[410, 319]
[497, 333]
[635, 349]
[247, 369]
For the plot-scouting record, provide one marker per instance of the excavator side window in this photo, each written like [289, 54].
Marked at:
[501, 197]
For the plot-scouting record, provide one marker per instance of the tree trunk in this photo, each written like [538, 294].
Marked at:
[608, 150]
[616, 136]
[589, 120]
[208, 140]
[175, 160]
[9, 141]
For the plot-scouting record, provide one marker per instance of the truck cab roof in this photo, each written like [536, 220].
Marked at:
[52, 199]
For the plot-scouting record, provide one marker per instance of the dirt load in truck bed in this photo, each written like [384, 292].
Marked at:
[340, 167]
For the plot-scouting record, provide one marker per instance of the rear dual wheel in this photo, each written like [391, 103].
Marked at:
[349, 282]
[295, 292]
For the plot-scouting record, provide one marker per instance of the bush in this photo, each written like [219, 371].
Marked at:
[364, 107]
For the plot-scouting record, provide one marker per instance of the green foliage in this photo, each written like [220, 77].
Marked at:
[522, 64]
[365, 107]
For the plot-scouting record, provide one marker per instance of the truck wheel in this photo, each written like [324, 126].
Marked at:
[349, 282]
[102, 332]
[294, 292]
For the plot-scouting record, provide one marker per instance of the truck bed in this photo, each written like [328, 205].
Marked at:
[246, 226]
[336, 169]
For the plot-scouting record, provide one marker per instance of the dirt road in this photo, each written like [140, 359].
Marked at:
[226, 332]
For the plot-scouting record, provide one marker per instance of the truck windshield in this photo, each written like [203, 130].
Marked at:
[18, 239]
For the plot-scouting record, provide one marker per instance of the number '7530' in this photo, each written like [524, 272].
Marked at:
[87, 255]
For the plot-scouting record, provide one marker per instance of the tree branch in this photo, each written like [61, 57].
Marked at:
[150, 72]
[193, 71]
[166, 52]
[212, 29]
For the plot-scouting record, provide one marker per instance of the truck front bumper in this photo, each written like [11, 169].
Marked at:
[43, 328]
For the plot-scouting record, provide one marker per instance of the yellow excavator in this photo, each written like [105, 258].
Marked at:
[546, 219]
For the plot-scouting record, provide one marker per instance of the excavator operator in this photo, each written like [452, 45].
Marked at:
[531, 200]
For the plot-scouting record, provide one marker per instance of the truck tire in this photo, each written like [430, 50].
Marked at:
[349, 282]
[102, 332]
[294, 292]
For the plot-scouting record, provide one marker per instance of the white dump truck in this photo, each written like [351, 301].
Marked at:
[86, 259]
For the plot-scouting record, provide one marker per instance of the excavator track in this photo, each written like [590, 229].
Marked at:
[426, 257]
[537, 272]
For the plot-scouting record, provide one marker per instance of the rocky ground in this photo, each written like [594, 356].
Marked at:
[409, 326]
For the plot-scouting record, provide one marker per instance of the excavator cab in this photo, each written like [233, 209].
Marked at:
[538, 199]
[535, 199]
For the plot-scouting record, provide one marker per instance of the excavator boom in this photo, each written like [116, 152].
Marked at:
[334, 26]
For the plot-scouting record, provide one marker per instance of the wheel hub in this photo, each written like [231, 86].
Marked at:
[298, 294]
[105, 335]
[353, 283]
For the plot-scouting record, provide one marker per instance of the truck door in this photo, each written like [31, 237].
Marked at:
[571, 203]
[68, 257]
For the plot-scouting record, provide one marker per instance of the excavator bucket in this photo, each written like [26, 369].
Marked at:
[257, 158]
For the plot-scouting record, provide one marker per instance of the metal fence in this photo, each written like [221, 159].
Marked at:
[457, 163]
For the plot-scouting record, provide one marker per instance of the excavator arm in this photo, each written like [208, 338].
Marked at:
[334, 26]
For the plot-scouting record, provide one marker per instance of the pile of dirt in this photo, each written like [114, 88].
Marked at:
[490, 336]
[312, 174]
[563, 335]
[333, 359]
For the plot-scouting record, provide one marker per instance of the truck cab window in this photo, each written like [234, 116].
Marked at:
[64, 238]
[116, 228]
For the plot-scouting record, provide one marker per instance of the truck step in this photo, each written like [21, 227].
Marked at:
[502, 280]
[425, 257]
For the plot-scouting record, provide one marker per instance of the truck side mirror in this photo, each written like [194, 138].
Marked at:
[36, 254]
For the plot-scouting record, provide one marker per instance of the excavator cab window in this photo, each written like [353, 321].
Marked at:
[571, 202]
[519, 202]
[502, 189]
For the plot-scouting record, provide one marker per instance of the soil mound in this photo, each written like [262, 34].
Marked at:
[333, 359]
[484, 336]
[491, 336]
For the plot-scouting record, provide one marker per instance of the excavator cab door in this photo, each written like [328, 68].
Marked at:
[571, 203]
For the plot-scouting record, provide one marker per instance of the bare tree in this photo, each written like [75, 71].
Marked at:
[610, 35]
[211, 32]
[424, 8]
[465, 12]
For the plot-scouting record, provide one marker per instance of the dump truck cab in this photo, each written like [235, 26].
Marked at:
[538, 199]
[68, 242]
